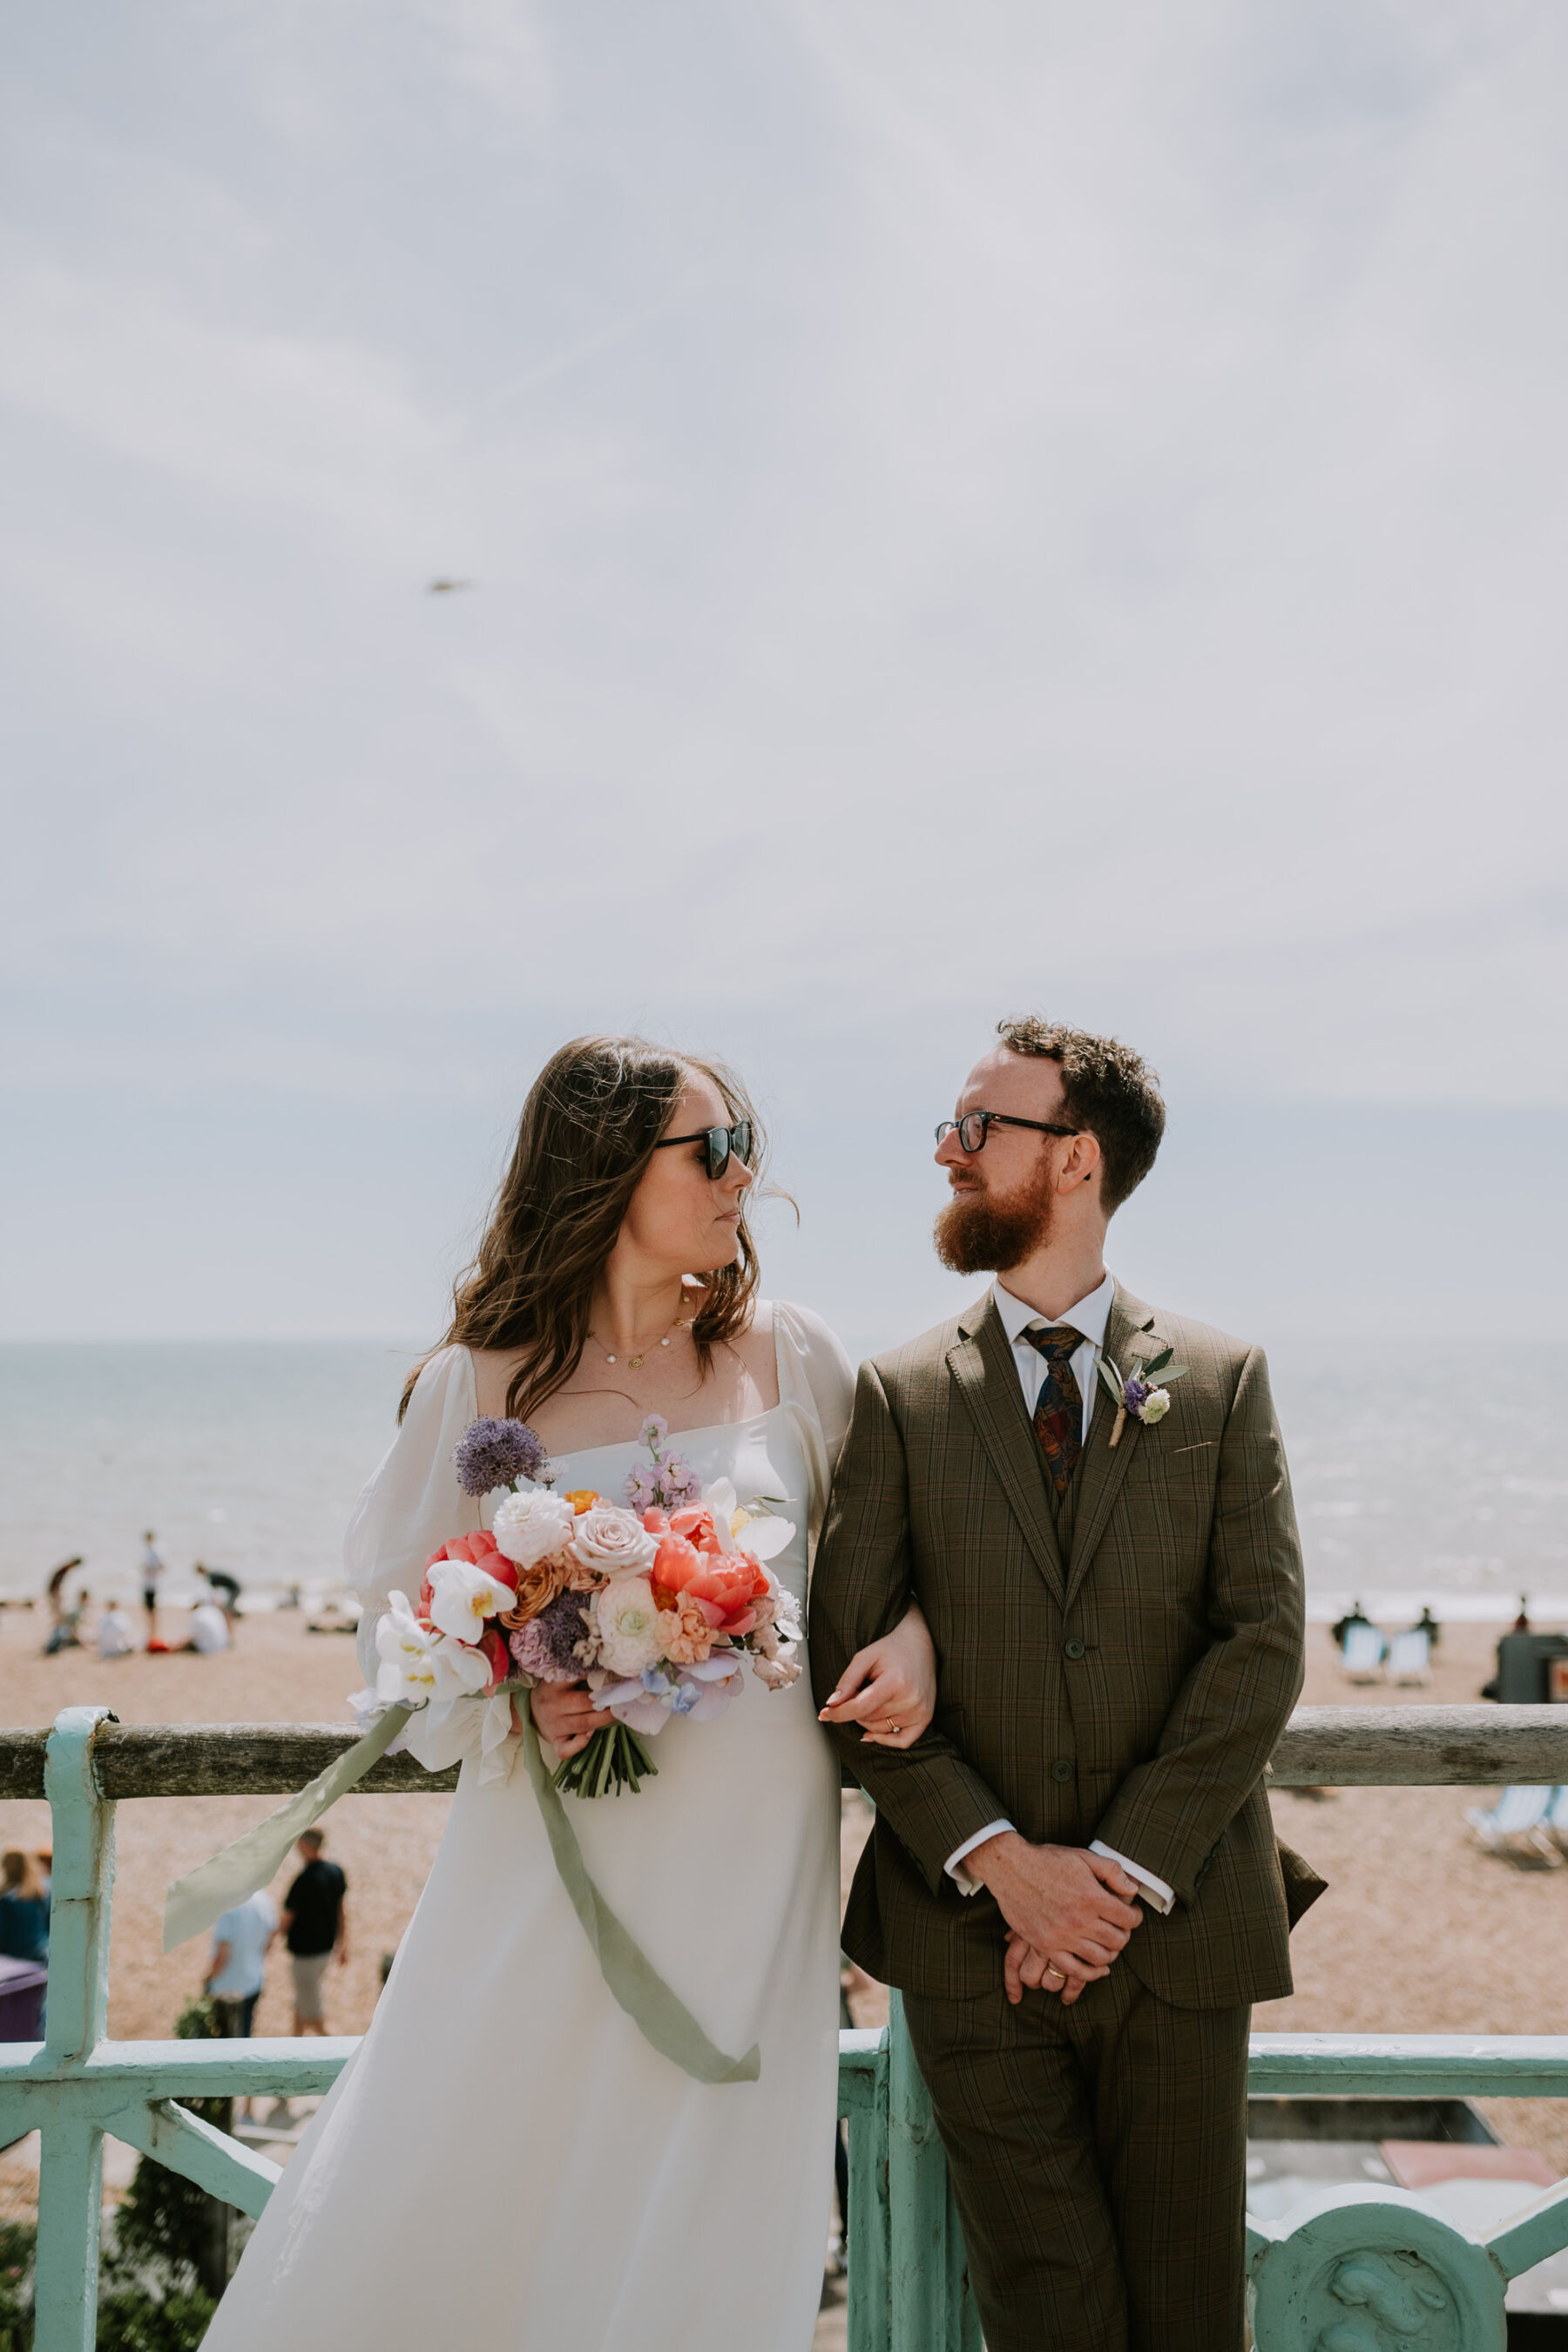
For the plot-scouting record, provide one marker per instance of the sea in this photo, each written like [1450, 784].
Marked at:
[1436, 1481]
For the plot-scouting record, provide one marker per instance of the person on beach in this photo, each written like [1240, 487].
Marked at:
[24, 1909]
[237, 1975]
[1074, 1877]
[62, 1634]
[315, 1926]
[151, 1573]
[507, 2159]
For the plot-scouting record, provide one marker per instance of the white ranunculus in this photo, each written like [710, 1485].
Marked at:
[533, 1525]
[462, 1597]
[405, 1675]
[627, 1617]
[1155, 1405]
[613, 1541]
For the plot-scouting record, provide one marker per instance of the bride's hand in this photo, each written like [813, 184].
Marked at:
[889, 1682]
[564, 1714]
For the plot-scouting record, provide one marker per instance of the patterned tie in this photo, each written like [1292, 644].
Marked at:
[1058, 1413]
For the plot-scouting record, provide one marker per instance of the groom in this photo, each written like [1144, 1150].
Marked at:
[1073, 1877]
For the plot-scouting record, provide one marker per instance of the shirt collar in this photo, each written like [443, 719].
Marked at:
[1089, 1315]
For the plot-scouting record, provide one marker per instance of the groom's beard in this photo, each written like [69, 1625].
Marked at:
[976, 1233]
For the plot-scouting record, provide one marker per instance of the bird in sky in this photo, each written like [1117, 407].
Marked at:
[449, 587]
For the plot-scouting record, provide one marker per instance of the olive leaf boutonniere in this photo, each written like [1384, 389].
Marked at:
[1137, 1393]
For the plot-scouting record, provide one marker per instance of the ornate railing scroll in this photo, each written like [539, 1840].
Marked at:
[1361, 2265]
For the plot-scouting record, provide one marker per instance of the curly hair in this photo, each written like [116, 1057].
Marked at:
[1107, 1090]
[587, 1132]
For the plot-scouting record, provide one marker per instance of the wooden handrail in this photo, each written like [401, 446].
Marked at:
[1321, 1747]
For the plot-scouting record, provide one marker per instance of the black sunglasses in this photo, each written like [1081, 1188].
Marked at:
[971, 1130]
[721, 1142]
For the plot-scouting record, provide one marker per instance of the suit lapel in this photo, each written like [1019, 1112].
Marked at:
[1104, 1467]
[981, 1362]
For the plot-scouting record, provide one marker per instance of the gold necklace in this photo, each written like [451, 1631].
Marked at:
[635, 1362]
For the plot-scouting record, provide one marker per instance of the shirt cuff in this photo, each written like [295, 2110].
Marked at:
[1150, 1889]
[954, 1866]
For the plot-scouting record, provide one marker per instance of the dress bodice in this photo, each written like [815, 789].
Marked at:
[760, 1457]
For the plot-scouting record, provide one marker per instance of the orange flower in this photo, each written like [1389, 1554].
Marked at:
[536, 1588]
[684, 1631]
[581, 1498]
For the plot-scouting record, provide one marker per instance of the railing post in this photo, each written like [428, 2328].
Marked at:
[866, 2255]
[70, 2170]
[81, 1888]
[931, 2309]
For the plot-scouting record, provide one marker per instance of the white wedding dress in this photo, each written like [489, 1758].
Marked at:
[505, 2165]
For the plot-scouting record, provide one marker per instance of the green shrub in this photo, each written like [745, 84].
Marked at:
[131, 2320]
[15, 2287]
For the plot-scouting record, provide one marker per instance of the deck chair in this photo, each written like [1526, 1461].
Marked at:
[1364, 1648]
[1410, 1656]
[1518, 1818]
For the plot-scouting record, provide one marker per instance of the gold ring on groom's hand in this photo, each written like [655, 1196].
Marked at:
[1052, 1970]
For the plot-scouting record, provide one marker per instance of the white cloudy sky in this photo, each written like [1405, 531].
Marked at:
[976, 508]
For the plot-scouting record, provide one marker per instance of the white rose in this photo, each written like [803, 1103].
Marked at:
[613, 1541]
[533, 1525]
[1155, 1405]
[627, 1618]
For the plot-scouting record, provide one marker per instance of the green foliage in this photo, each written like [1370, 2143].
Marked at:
[15, 2287]
[131, 2320]
[169, 2259]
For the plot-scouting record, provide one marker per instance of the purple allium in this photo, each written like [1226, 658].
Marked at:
[491, 1453]
[547, 1647]
[1134, 1396]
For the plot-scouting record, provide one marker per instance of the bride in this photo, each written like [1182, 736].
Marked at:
[506, 2162]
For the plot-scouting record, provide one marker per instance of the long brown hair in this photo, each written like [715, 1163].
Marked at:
[587, 1131]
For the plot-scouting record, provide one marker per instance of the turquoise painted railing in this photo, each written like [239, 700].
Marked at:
[1348, 2256]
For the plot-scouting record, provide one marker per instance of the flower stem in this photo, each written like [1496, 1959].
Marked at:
[614, 1760]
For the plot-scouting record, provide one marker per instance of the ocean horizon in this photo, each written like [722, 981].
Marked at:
[1414, 1481]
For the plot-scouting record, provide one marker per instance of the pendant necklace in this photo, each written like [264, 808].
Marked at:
[635, 1363]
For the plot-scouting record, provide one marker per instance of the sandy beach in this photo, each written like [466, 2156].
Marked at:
[1421, 1931]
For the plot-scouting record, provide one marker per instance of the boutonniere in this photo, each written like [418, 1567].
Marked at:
[1137, 1392]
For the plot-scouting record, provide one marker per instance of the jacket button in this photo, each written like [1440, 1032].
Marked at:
[1061, 1770]
[1073, 1649]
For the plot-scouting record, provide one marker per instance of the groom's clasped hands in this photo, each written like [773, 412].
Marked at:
[1068, 1912]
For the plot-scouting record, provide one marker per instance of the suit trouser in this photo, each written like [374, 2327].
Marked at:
[1098, 2158]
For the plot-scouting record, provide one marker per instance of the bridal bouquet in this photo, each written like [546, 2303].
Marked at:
[654, 1602]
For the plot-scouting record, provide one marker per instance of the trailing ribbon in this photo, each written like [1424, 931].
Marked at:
[227, 1877]
[631, 1979]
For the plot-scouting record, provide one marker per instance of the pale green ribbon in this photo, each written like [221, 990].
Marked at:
[237, 1870]
[663, 2019]
[630, 1978]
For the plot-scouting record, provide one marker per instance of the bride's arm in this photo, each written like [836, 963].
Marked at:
[413, 1502]
[892, 1681]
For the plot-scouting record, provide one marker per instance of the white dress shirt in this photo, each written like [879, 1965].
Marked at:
[1089, 1317]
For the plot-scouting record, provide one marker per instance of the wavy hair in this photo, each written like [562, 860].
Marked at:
[587, 1132]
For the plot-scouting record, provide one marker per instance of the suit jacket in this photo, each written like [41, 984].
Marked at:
[1128, 1689]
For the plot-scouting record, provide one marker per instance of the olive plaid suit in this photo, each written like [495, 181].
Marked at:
[1115, 1665]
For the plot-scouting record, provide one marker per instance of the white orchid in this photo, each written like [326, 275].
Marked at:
[533, 1525]
[764, 1535]
[405, 1675]
[462, 1597]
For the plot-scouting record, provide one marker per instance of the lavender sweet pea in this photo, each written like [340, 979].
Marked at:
[491, 1453]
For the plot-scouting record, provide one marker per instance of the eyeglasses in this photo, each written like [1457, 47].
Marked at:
[971, 1129]
[721, 1142]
